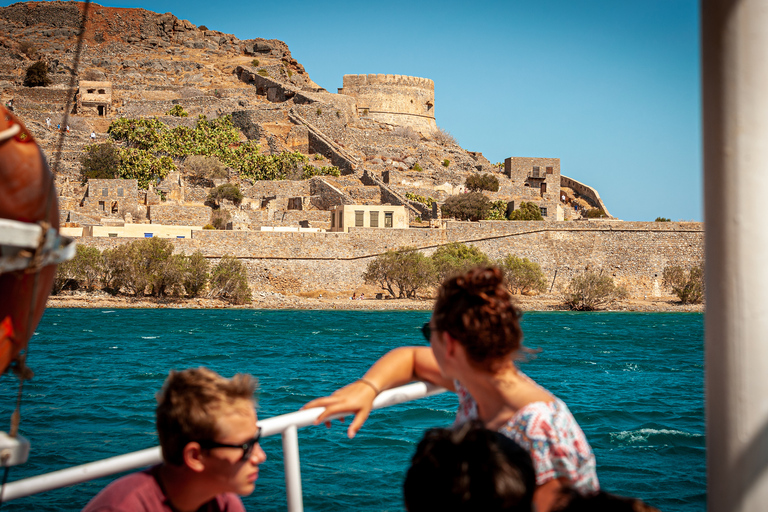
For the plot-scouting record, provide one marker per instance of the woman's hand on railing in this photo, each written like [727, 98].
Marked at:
[356, 398]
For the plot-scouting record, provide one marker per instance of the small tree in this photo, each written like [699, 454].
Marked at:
[88, 261]
[455, 258]
[227, 191]
[100, 161]
[523, 275]
[205, 167]
[662, 219]
[688, 285]
[220, 218]
[590, 291]
[37, 75]
[476, 182]
[527, 211]
[196, 274]
[473, 206]
[229, 281]
[402, 272]
[116, 268]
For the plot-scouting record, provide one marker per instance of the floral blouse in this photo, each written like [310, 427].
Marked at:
[551, 435]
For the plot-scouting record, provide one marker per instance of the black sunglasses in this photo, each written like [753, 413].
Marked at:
[247, 446]
[426, 331]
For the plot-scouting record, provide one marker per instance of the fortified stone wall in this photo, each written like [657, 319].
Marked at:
[584, 190]
[635, 253]
[394, 99]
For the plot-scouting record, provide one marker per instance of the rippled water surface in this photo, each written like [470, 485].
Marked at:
[634, 381]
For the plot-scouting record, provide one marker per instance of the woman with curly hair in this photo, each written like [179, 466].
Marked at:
[474, 339]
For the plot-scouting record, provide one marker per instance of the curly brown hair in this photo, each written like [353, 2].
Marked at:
[189, 403]
[477, 310]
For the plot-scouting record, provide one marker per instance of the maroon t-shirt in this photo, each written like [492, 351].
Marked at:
[141, 492]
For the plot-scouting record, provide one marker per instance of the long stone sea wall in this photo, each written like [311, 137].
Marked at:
[634, 253]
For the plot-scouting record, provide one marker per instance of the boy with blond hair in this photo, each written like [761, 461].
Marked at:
[210, 445]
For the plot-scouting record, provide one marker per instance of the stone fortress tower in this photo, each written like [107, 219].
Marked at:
[395, 99]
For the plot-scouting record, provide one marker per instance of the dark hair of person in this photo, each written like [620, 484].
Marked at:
[601, 501]
[469, 469]
[476, 309]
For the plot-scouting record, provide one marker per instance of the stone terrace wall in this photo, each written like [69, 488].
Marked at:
[635, 253]
[178, 215]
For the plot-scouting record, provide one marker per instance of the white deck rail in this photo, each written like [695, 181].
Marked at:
[286, 424]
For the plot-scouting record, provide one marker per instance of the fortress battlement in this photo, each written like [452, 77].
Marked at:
[382, 79]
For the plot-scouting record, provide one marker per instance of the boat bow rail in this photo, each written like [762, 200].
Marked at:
[287, 425]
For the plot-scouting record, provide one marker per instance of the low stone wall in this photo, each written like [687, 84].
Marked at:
[178, 215]
[635, 253]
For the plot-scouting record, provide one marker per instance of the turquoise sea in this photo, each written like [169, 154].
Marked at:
[634, 381]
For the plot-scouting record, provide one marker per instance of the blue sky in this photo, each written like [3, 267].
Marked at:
[611, 87]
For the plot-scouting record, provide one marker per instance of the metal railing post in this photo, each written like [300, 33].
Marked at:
[292, 467]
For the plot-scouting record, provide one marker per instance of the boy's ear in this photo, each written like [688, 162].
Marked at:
[193, 457]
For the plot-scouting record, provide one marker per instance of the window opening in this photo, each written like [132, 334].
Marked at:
[359, 218]
[374, 219]
[388, 219]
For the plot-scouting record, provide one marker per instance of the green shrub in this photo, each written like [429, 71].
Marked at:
[326, 170]
[144, 166]
[229, 281]
[523, 275]
[455, 258]
[319, 112]
[688, 284]
[416, 167]
[365, 111]
[255, 63]
[446, 162]
[527, 211]
[402, 272]
[420, 199]
[590, 291]
[37, 75]
[178, 111]
[262, 72]
[228, 191]
[498, 210]
[595, 213]
[318, 156]
[209, 226]
[476, 182]
[220, 218]
[662, 219]
[473, 206]
[99, 161]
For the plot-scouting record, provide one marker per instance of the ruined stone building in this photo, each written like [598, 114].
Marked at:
[94, 98]
[395, 99]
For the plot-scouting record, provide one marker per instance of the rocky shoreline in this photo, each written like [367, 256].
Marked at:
[279, 301]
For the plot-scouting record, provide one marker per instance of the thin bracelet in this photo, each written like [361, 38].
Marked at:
[366, 381]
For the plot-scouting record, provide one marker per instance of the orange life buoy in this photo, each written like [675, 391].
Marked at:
[27, 194]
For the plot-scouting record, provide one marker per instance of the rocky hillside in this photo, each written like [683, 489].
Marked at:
[157, 61]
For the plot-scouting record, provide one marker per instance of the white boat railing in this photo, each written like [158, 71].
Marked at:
[287, 425]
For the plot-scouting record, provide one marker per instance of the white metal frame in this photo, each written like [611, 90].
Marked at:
[287, 425]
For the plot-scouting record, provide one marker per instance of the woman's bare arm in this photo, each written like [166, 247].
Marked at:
[396, 367]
